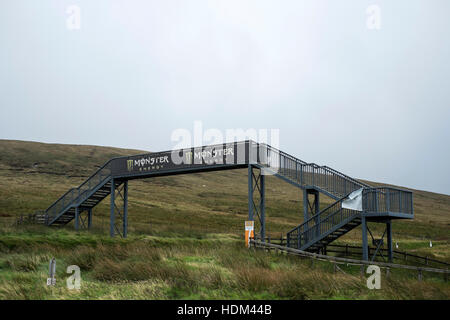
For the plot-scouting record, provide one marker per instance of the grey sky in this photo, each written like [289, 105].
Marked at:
[374, 104]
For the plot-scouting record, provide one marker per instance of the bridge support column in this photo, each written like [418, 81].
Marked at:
[125, 209]
[256, 182]
[77, 218]
[119, 212]
[262, 206]
[379, 242]
[250, 193]
[389, 240]
[305, 205]
[89, 218]
[365, 246]
[310, 208]
[112, 204]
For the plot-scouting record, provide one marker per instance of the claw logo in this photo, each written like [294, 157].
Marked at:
[130, 165]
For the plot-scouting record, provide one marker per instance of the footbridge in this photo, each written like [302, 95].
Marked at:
[319, 228]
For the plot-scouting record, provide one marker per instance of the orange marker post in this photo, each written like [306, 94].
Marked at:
[249, 225]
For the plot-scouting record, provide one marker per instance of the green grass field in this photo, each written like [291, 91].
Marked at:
[185, 237]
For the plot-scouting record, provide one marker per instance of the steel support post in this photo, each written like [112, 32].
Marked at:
[310, 208]
[316, 211]
[89, 218]
[125, 209]
[389, 240]
[316, 202]
[250, 193]
[111, 215]
[365, 247]
[305, 205]
[77, 218]
[262, 205]
[119, 208]
[257, 183]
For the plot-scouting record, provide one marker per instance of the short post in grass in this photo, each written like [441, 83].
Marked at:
[51, 280]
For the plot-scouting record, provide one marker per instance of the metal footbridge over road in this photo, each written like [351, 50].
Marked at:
[319, 228]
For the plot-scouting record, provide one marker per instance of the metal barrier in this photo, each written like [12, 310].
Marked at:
[76, 195]
[349, 250]
[304, 174]
[38, 217]
[376, 201]
[265, 245]
[320, 224]
[386, 200]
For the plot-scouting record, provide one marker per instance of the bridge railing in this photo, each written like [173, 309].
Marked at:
[75, 195]
[323, 222]
[386, 199]
[305, 174]
[375, 201]
[403, 256]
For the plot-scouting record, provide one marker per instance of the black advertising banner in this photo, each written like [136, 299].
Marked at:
[229, 154]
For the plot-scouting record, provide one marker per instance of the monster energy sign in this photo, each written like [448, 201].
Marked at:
[147, 163]
[208, 156]
[223, 154]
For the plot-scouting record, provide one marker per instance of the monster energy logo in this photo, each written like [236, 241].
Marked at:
[208, 155]
[130, 165]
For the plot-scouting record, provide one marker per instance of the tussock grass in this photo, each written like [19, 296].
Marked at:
[26, 263]
[215, 269]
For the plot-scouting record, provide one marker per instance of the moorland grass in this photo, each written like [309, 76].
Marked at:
[185, 237]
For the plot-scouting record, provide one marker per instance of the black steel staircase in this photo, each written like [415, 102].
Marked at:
[335, 221]
[85, 197]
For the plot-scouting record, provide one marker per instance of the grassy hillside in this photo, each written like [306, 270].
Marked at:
[185, 236]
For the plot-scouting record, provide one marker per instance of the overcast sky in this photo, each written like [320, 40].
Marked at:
[372, 103]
